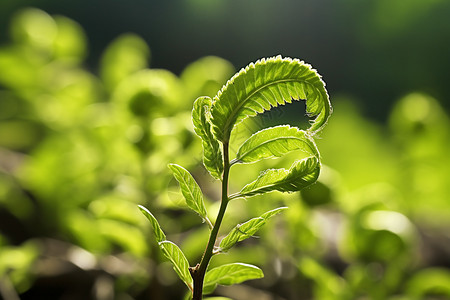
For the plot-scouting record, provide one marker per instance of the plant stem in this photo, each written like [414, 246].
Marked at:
[199, 271]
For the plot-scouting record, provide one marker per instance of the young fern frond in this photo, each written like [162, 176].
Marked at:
[255, 89]
[266, 84]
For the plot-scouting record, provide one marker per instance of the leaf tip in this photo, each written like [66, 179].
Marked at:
[143, 209]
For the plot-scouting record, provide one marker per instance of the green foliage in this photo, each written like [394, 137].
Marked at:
[191, 191]
[301, 174]
[178, 260]
[265, 84]
[126, 55]
[275, 142]
[230, 274]
[258, 87]
[212, 154]
[159, 234]
[429, 282]
[16, 265]
[79, 151]
[246, 230]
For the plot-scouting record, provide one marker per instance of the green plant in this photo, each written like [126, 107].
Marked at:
[255, 89]
[80, 151]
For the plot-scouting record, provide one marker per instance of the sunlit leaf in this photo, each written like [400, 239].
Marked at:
[212, 155]
[178, 260]
[159, 234]
[275, 142]
[230, 274]
[247, 229]
[301, 174]
[266, 84]
[190, 189]
[170, 250]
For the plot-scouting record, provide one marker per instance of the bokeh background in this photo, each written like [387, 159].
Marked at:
[95, 100]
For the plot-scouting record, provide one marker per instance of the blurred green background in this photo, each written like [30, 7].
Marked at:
[95, 100]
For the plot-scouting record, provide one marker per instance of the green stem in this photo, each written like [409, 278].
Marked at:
[198, 272]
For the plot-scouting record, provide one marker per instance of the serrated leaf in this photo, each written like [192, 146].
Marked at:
[275, 142]
[230, 274]
[212, 154]
[301, 174]
[159, 234]
[269, 214]
[266, 84]
[178, 260]
[190, 189]
[247, 229]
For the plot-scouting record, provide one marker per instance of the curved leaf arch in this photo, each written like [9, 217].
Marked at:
[265, 84]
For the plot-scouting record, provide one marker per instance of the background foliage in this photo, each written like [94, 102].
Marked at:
[87, 130]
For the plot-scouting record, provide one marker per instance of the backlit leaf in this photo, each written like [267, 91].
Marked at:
[233, 273]
[301, 174]
[212, 155]
[275, 142]
[178, 260]
[190, 189]
[266, 84]
[159, 234]
[247, 229]
[230, 274]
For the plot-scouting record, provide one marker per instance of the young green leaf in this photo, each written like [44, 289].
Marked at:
[301, 174]
[159, 234]
[266, 84]
[178, 260]
[230, 274]
[275, 142]
[212, 154]
[247, 229]
[190, 190]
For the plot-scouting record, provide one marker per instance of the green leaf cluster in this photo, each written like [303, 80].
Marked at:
[80, 148]
[255, 89]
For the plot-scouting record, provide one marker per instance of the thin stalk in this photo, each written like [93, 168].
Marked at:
[198, 272]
